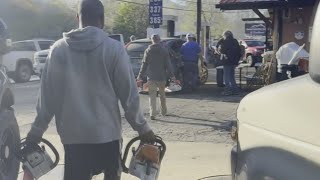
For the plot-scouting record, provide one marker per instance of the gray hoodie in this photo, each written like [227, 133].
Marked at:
[85, 76]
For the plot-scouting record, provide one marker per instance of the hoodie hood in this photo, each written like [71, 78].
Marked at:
[85, 39]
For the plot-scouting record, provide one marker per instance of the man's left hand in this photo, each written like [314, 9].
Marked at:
[173, 79]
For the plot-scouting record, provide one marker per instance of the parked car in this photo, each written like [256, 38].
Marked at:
[254, 50]
[40, 59]
[136, 50]
[277, 131]
[19, 61]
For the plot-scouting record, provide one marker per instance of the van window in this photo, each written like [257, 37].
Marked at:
[314, 64]
[23, 46]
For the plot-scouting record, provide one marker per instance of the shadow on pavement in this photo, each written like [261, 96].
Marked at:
[224, 126]
[193, 118]
[207, 92]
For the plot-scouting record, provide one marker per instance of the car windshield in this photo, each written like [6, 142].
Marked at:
[254, 43]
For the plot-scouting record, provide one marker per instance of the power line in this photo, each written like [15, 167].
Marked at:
[179, 9]
[196, 2]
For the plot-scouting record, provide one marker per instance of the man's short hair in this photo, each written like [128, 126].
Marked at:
[91, 11]
[155, 37]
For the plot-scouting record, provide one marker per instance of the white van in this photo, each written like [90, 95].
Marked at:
[278, 128]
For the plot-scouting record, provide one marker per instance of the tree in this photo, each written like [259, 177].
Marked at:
[131, 20]
[29, 19]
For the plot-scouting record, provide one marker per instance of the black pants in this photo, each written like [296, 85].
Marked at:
[82, 161]
[190, 75]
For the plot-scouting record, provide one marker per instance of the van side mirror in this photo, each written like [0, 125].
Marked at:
[314, 64]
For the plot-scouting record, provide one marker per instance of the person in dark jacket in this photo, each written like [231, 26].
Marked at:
[230, 56]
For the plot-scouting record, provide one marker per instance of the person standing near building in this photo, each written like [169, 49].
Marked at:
[230, 56]
[156, 66]
[85, 76]
[190, 52]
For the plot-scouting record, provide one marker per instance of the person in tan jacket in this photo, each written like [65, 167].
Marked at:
[156, 66]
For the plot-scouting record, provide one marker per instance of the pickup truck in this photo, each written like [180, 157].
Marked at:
[19, 61]
[40, 57]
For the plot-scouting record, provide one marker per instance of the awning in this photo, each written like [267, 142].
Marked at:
[262, 4]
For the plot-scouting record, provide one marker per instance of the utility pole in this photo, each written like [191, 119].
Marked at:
[199, 9]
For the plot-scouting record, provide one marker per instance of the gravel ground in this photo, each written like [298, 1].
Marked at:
[201, 116]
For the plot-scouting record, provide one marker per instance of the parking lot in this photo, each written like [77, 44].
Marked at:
[196, 129]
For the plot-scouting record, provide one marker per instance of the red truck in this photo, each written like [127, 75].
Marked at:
[253, 50]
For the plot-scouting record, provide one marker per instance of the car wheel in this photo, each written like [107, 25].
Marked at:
[204, 75]
[219, 77]
[23, 73]
[9, 145]
[250, 60]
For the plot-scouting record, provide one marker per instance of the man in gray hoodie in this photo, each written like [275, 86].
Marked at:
[85, 76]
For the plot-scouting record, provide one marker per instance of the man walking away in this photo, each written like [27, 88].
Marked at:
[156, 66]
[190, 52]
[86, 74]
[231, 54]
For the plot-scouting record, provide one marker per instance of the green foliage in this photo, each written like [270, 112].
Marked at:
[29, 19]
[131, 20]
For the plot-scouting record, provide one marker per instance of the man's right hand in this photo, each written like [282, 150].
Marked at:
[33, 139]
[148, 137]
[173, 79]
[139, 82]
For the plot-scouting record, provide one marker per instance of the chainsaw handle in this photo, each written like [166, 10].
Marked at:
[131, 142]
[126, 152]
[55, 152]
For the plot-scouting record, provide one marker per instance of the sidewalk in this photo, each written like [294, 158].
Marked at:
[183, 161]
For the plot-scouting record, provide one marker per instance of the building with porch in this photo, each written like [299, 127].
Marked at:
[288, 20]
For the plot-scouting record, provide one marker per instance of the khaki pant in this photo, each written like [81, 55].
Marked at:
[154, 86]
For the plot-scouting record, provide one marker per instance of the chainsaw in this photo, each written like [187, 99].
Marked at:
[36, 162]
[146, 159]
